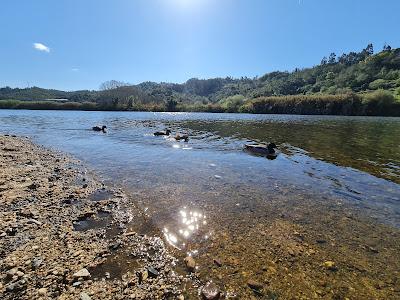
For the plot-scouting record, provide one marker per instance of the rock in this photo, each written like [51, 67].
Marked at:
[255, 285]
[116, 245]
[180, 297]
[42, 291]
[36, 262]
[129, 233]
[16, 286]
[143, 276]
[11, 231]
[372, 249]
[153, 273]
[76, 283]
[190, 263]
[84, 296]
[20, 274]
[33, 221]
[217, 262]
[330, 265]
[210, 291]
[25, 213]
[33, 186]
[12, 272]
[83, 273]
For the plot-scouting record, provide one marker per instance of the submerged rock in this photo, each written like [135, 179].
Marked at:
[190, 263]
[255, 285]
[330, 265]
[210, 291]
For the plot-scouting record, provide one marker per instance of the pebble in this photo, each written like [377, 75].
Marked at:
[16, 286]
[153, 273]
[190, 263]
[84, 296]
[143, 275]
[217, 262]
[20, 274]
[83, 273]
[36, 263]
[330, 265]
[210, 291]
[253, 284]
[42, 291]
[12, 272]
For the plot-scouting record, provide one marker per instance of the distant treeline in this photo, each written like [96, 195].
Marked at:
[379, 103]
[355, 83]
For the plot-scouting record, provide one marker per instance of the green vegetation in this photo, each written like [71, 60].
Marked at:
[356, 83]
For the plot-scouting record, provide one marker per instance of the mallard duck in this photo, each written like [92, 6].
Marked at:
[184, 137]
[268, 150]
[98, 128]
[166, 132]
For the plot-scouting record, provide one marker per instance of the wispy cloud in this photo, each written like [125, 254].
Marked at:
[41, 47]
[75, 69]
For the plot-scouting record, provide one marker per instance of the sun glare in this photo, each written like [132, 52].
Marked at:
[186, 5]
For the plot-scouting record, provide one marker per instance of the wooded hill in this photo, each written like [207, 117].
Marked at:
[361, 83]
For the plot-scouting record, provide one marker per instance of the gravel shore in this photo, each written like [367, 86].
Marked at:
[48, 203]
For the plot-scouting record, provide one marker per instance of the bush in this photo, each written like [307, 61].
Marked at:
[232, 103]
[379, 97]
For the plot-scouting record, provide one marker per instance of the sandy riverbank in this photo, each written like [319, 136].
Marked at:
[47, 201]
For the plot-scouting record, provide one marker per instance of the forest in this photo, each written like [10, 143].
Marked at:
[355, 83]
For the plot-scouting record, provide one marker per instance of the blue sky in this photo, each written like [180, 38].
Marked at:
[81, 43]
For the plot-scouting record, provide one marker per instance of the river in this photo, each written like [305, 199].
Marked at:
[333, 188]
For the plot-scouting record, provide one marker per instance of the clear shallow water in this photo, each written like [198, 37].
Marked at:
[209, 198]
[353, 159]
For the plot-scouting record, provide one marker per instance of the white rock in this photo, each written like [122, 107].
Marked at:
[42, 291]
[84, 296]
[84, 273]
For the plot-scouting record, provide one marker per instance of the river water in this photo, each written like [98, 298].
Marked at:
[333, 189]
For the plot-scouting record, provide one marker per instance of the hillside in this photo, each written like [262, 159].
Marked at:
[369, 82]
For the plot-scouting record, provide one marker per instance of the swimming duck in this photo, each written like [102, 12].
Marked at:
[98, 128]
[268, 150]
[184, 137]
[166, 132]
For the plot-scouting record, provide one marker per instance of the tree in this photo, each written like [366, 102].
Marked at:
[369, 50]
[112, 84]
[386, 47]
[171, 105]
[332, 58]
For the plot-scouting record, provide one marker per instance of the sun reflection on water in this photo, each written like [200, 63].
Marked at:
[189, 225]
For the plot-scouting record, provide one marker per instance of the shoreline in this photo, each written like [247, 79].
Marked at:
[48, 203]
